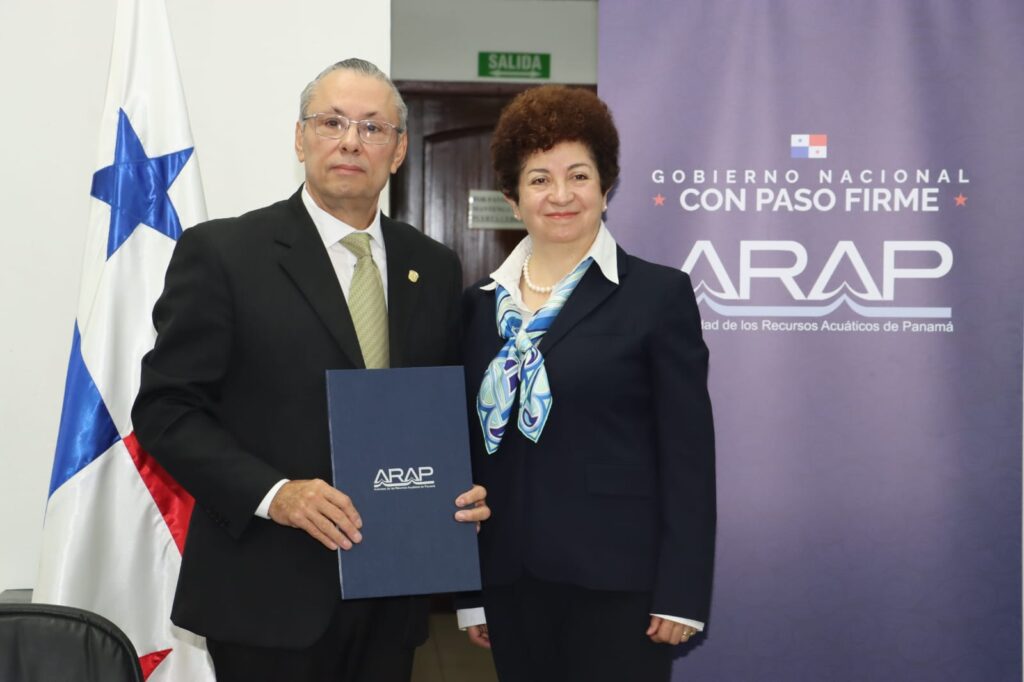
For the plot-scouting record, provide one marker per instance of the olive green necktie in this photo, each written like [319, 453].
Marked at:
[366, 303]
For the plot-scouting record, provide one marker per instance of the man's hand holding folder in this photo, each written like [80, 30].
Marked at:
[329, 516]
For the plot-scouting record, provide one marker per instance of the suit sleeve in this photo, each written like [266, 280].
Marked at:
[175, 411]
[686, 459]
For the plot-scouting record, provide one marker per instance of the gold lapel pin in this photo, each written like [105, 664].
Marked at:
[414, 276]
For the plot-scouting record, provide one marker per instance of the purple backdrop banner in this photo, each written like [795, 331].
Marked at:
[843, 181]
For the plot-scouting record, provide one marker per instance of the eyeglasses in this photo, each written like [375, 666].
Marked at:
[335, 127]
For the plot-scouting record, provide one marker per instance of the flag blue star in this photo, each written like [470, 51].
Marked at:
[136, 185]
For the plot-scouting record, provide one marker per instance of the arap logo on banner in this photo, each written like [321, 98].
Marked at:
[779, 278]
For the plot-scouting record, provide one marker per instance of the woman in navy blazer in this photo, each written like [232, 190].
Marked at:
[587, 373]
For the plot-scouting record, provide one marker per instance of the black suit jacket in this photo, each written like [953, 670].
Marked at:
[619, 492]
[233, 399]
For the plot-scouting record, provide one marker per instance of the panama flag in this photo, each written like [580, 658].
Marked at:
[808, 146]
[115, 521]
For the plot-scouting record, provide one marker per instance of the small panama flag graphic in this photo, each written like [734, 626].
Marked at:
[808, 146]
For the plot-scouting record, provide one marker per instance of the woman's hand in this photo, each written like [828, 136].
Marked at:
[478, 635]
[663, 631]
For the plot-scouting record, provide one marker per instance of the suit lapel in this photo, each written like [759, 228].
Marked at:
[403, 292]
[590, 293]
[307, 263]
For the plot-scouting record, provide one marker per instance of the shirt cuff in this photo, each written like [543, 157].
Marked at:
[469, 617]
[263, 511]
[695, 624]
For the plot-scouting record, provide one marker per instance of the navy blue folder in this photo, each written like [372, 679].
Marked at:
[400, 450]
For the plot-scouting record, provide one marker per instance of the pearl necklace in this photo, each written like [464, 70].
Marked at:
[529, 282]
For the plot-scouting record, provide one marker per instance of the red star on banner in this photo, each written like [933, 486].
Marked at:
[659, 200]
[960, 199]
[149, 662]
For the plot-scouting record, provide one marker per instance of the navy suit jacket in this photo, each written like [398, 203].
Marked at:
[233, 399]
[619, 492]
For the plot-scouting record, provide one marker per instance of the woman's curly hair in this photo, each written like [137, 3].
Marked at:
[540, 118]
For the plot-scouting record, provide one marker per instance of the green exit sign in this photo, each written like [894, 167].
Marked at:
[514, 65]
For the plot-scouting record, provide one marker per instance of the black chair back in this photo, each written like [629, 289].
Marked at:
[47, 643]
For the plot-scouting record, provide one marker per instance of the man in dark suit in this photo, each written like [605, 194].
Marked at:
[233, 399]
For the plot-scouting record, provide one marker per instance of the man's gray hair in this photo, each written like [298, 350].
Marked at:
[359, 66]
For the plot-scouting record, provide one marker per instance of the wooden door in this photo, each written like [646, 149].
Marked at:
[450, 127]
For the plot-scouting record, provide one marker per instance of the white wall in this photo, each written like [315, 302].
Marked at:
[236, 56]
[440, 39]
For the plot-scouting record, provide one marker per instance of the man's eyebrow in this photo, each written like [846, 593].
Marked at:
[366, 116]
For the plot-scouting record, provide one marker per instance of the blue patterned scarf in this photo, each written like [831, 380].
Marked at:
[520, 365]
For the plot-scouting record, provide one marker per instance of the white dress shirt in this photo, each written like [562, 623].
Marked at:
[605, 254]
